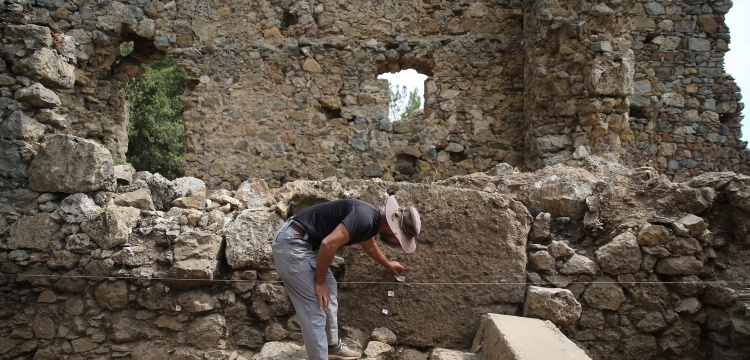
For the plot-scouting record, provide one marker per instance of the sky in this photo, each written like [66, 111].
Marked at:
[734, 61]
[739, 52]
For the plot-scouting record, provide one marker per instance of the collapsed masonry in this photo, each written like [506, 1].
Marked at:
[288, 89]
[626, 263]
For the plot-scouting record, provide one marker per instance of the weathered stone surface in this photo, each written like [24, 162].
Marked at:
[604, 296]
[738, 193]
[377, 350]
[77, 208]
[497, 250]
[556, 305]
[206, 331]
[72, 165]
[579, 264]
[679, 265]
[139, 199]
[611, 76]
[39, 96]
[719, 294]
[559, 249]
[33, 232]
[622, 255]
[695, 224]
[197, 301]
[384, 335]
[541, 260]
[12, 164]
[111, 226]
[650, 322]
[124, 174]
[253, 192]
[270, 300]
[281, 351]
[196, 256]
[50, 68]
[18, 126]
[540, 228]
[249, 239]
[148, 350]
[112, 295]
[561, 197]
[651, 235]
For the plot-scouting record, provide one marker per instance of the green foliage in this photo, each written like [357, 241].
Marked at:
[402, 103]
[156, 140]
[126, 48]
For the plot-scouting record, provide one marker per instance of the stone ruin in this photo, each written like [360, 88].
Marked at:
[632, 236]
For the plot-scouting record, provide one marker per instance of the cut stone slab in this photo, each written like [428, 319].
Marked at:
[504, 337]
[447, 354]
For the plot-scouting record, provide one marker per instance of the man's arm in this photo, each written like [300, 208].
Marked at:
[327, 251]
[373, 251]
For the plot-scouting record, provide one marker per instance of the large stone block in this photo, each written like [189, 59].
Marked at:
[111, 226]
[622, 255]
[249, 239]
[556, 305]
[196, 258]
[33, 232]
[18, 126]
[467, 236]
[39, 96]
[611, 75]
[50, 68]
[70, 164]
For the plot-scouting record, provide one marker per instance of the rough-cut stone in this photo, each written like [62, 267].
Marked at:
[281, 351]
[196, 257]
[622, 255]
[33, 232]
[561, 197]
[604, 296]
[738, 193]
[559, 249]
[12, 164]
[70, 164]
[253, 192]
[39, 96]
[249, 239]
[377, 350]
[111, 226]
[18, 126]
[50, 68]
[651, 235]
[112, 295]
[139, 199]
[77, 208]
[541, 260]
[579, 264]
[197, 301]
[556, 305]
[719, 294]
[540, 228]
[679, 265]
[124, 174]
[695, 224]
[608, 76]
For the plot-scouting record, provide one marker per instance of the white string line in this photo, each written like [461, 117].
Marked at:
[375, 282]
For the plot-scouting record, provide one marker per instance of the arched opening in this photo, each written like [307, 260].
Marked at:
[406, 93]
[153, 86]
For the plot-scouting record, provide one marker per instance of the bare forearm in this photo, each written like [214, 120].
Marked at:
[373, 251]
[324, 259]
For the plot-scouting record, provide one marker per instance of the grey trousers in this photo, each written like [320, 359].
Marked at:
[295, 262]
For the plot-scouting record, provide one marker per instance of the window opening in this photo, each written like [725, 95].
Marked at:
[406, 93]
[156, 130]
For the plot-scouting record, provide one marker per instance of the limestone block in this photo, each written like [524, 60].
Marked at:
[559, 249]
[50, 68]
[205, 332]
[503, 337]
[70, 164]
[77, 208]
[12, 164]
[579, 264]
[270, 300]
[249, 239]
[187, 187]
[137, 255]
[541, 261]
[253, 193]
[680, 338]
[223, 197]
[604, 296]
[622, 255]
[160, 188]
[540, 229]
[112, 294]
[611, 75]
[274, 350]
[384, 335]
[651, 322]
[491, 248]
[448, 354]
[139, 199]
[196, 256]
[695, 224]
[738, 193]
[18, 126]
[33, 36]
[62, 260]
[719, 294]
[33, 232]
[147, 350]
[679, 265]
[651, 235]
[38, 96]
[124, 174]
[377, 350]
[111, 226]
[689, 286]
[556, 305]
[197, 301]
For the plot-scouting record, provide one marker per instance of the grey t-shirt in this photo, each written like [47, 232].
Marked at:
[360, 218]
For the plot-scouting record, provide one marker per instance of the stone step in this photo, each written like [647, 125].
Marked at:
[504, 337]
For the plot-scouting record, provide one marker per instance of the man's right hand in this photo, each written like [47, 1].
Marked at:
[322, 291]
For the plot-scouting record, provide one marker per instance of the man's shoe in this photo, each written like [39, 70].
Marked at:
[341, 352]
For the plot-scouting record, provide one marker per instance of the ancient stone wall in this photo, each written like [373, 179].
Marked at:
[288, 90]
[626, 263]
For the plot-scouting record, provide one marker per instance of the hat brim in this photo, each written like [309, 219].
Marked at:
[408, 244]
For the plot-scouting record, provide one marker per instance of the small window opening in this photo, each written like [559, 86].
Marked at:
[406, 93]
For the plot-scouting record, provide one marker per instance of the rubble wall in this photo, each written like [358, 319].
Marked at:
[626, 263]
[288, 90]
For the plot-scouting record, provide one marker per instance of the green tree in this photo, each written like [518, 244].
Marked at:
[156, 138]
[402, 103]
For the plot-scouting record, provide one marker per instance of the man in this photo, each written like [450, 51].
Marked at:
[305, 245]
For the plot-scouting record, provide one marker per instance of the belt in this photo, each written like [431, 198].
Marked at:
[302, 234]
